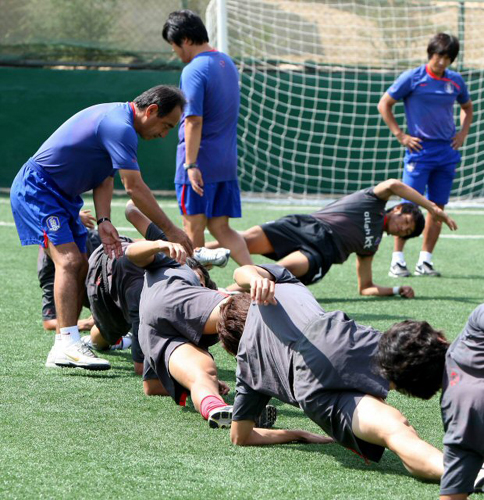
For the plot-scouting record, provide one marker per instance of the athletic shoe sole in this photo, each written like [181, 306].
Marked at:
[267, 418]
[220, 418]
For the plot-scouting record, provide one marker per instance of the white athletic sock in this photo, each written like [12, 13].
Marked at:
[70, 335]
[425, 257]
[398, 257]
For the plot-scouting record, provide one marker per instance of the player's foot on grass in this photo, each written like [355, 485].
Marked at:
[267, 418]
[426, 269]
[122, 344]
[212, 256]
[479, 483]
[399, 271]
[79, 355]
[220, 418]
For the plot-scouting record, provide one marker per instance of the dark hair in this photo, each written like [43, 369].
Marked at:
[418, 218]
[166, 97]
[194, 264]
[411, 354]
[231, 322]
[443, 45]
[184, 25]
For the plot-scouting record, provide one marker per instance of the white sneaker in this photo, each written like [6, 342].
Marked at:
[221, 418]
[479, 483]
[426, 269]
[80, 355]
[123, 343]
[399, 270]
[215, 257]
[50, 363]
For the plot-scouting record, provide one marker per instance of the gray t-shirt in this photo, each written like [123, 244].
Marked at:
[173, 304]
[356, 222]
[294, 349]
[462, 406]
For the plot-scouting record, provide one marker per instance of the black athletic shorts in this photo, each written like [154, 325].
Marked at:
[306, 234]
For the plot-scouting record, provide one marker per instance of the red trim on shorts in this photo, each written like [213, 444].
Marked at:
[435, 77]
[183, 399]
[182, 201]
[367, 461]
[46, 240]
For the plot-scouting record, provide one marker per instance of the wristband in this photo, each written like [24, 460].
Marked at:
[396, 290]
[103, 219]
[188, 166]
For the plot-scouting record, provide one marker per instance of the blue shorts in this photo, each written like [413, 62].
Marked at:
[432, 170]
[42, 212]
[220, 199]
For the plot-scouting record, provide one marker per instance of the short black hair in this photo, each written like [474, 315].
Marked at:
[184, 25]
[194, 264]
[231, 322]
[166, 97]
[411, 354]
[443, 45]
[418, 218]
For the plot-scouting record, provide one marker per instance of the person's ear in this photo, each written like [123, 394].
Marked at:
[152, 109]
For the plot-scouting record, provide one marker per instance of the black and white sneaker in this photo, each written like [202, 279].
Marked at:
[479, 483]
[267, 418]
[399, 271]
[212, 256]
[221, 418]
[426, 269]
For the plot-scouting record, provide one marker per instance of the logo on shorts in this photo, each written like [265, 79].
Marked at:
[53, 223]
[449, 88]
[410, 167]
[454, 378]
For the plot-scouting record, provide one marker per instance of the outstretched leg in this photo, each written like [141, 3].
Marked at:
[379, 423]
[229, 238]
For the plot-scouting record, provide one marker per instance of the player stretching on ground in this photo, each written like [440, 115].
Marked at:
[289, 348]
[308, 245]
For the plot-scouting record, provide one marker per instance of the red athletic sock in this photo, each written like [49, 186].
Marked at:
[209, 403]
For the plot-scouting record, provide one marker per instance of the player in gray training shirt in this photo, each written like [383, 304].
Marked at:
[463, 410]
[289, 348]
[308, 245]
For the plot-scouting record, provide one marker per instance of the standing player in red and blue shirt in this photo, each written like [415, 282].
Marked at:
[206, 176]
[429, 93]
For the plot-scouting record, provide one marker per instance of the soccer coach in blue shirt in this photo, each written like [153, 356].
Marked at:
[83, 154]
[429, 93]
[206, 176]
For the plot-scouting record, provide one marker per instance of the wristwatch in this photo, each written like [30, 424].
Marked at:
[188, 166]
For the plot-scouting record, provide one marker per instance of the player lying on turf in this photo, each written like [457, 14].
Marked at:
[178, 316]
[308, 245]
[463, 412]
[289, 348]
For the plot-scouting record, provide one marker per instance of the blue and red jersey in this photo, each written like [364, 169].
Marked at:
[89, 147]
[210, 83]
[429, 101]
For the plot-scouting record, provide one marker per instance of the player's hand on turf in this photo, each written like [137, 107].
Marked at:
[87, 219]
[173, 250]
[410, 142]
[262, 291]
[441, 216]
[177, 235]
[196, 180]
[309, 437]
[407, 292]
[110, 239]
[223, 388]
[458, 140]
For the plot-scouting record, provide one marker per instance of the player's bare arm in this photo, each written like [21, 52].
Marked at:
[243, 433]
[143, 198]
[142, 253]
[385, 107]
[258, 281]
[193, 138]
[367, 287]
[395, 187]
[466, 116]
[102, 196]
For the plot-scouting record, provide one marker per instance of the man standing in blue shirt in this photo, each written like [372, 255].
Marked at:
[429, 93]
[83, 154]
[206, 176]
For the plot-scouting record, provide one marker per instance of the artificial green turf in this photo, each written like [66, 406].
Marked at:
[75, 434]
